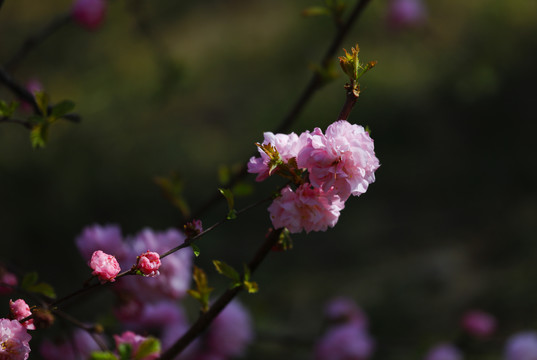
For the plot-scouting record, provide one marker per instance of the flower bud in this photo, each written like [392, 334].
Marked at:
[148, 263]
[104, 266]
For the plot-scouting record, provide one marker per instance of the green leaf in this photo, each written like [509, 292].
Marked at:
[243, 189]
[251, 286]
[62, 108]
[29, 280]
[8, 110]
[232, 213]
[42, 99]
[125, 351]
[196, 249]
[149, 346]
[38, 135]
[202, 291]
[103, 355]
[227, 270]
[44, 289]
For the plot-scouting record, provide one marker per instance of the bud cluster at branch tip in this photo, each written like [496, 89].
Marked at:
[351, 65]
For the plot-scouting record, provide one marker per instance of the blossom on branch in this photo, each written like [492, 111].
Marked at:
[19, 310]
[141, 348]
[14, 340]
[8, 279]
[343, 160]
[104, 266]
[308, 208]
[148, 263]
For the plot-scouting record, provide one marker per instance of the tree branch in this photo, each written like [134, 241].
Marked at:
[34, 40]
[206, 318]
[314, 84]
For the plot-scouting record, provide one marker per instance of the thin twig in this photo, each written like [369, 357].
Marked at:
[34, 40]
[24, 123]
[206, 318]
[313, 85]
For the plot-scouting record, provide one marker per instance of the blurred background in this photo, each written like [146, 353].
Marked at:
[186, 88]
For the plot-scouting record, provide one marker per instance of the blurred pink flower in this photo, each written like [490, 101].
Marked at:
[345, 310]
[13, 340]
[77, 347]
[521, 346]
[32, 86]
[444, 351]
[104, 266]
[307, 208]
[343, 161]
[148, 263]
[106, 238]
[89, 13]
[231, 331]
[141, 316]
[478, 323]
[19, 310]
[344, 342]
[9, 279]
[406, 13]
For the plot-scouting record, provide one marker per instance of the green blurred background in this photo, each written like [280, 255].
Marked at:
[450, 224]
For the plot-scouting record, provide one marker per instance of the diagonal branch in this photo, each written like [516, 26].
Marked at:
[34, 40]
[206, 318]
[315, 83]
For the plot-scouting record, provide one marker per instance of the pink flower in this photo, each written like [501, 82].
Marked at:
[134, 340]
[406, 13]
[175, 273]
[521, 346]
[308, 208]
[444, 351]
[344, 342]
[104, 266]
[342, 161]
[148, 263]
[141, 316]
[231, 332]
[89, 13]
[478, 323]
[20, 310]
[13, 340]
[8, 279]
[288, 147]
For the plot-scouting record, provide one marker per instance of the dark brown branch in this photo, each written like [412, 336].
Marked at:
[347, 107]
[314, 84]
[24, 95]
[24, 123]
[206, 318]
[34, 40]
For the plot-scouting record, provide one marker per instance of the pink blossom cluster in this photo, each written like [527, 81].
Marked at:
[326, 170]
[347, 336]
[19, 310]
[135, 341]
[14, 340]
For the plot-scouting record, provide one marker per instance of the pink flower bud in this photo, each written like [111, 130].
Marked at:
[104, 266]
[478, 323]
[19, 310]
[193, 228]
[148, 263]
[89, 13]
